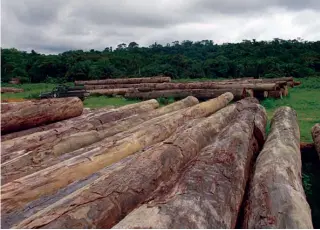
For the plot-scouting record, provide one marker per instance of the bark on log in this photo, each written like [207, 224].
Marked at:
[85, 115]
[198, 93]
[26, 164]
[39, 113]
[10, 90]
[17, 193]
[208, 189]
[276, 196]
[104, 202]
[156, 79]
[46, 139]
[316, 137]
[13, 106]
[110, 92]
[275, 94]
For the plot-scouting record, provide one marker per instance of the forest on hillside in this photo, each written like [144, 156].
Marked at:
[186, 59]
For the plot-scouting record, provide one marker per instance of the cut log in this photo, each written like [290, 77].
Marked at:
[156, 79]
[85, 115]
[110, 92]
[316, 137]
[11, 90]
[276, 196]
[19, 192]
[275, 94]
[104, 202]
[202, 94]
[208, 189]
[13, 106]
[296, 83]
[46, 139]
[39, 113]
[26, 164]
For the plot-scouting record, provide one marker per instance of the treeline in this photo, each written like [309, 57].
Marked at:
[201, 59]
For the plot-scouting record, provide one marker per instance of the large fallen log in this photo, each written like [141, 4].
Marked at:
[198, 93]
[316, 137]
[39, 113]
[110, 92]
[208, 189]
[85, 115]
[276, 196]
[102, 203]
[11, 90]
[26, 164]
[19, 192]
[46, 139]
[156, 79]
[13, 106]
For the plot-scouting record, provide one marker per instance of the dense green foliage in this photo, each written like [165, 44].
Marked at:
[187, 59]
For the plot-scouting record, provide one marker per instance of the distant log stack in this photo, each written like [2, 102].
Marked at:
[11, 90]
[159, 86]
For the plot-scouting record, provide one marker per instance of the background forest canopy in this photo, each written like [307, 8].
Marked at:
[186, 59]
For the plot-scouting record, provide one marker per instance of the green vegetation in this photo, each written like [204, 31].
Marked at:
[102, 101]
[179, 60]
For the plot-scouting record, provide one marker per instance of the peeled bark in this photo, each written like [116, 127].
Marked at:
[275, 94]
[202, 94]
[11, 90]
[85, 115]
[46, 139]
[104, 202]
[156, 79]
[17, 193]
[316, 137]
[110, 92]
[26, 164]
[39, 113]
[276, 197]
[208, 188]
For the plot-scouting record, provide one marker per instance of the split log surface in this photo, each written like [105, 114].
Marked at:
[155, 79]
[40, 159]
[316, 137]
[46, 139]
[209, 189]
[39, 113]
[198, 93]
[276, 196]
[23, 190]
[104, 202]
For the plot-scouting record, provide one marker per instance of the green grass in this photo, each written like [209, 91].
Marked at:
[102, 101]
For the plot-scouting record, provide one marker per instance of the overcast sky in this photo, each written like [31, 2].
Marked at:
[52, 26]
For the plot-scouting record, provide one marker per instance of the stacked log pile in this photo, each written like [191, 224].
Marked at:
[11, 90]
[155, 87]
[141, 166]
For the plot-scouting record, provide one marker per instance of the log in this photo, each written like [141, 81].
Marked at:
[12, 106]
[316, 137]
[40, 112]
[275, 94]
[116, 194]
[46, 139]
[276, 197]
[296, 83]
[110, 92]
[60, 175]
[208, 189]
[156, 79]
[285, 91]
[85, 115]
[11, 90]
[25, 165]
[202, 94]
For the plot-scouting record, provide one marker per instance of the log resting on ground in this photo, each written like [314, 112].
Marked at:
[104, 202]
[110, 92]
[40, 112]
[26, 164]
[208, 188]
[202, 94]
[316, 137]
[276, 197]
[11, 90]
[156, 79]
[23, 190]
[46, 139]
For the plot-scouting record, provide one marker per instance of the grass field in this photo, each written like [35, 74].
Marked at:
[305, 99]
